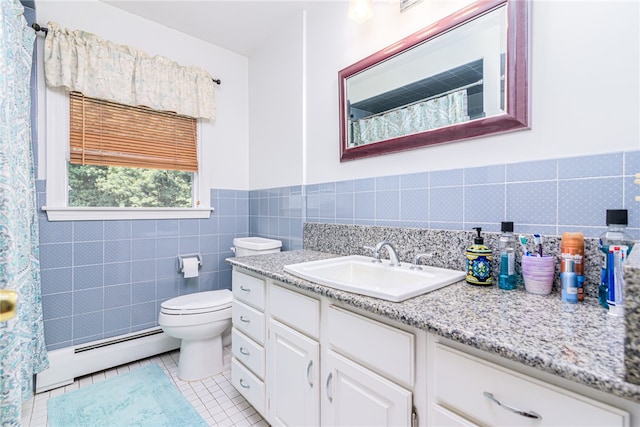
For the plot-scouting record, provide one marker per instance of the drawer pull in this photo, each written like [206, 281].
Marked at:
[243, 385]
[328, 387]
[529, 414]
[244, 319]
[242, 288]
[309, 372]
[244, 352]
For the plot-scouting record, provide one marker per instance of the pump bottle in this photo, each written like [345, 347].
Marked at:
[507, 247]
[478, 262]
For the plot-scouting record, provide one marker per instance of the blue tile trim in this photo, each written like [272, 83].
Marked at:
[600, 165]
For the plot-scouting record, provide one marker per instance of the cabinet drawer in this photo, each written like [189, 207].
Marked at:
[295, 310]
[248, 289]
[442, 417]
[462, 383]
[248, 320]
[383, 348]
[250, 386]
[248, 352]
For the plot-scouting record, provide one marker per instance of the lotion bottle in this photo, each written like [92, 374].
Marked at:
[569, 281]
[572, 248]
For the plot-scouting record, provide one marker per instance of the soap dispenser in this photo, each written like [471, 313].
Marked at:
[478, 262]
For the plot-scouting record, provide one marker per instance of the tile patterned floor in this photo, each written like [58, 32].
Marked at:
[215, 398]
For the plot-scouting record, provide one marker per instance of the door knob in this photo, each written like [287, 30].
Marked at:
[8, 304]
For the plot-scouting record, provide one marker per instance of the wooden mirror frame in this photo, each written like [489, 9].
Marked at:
[517, 71]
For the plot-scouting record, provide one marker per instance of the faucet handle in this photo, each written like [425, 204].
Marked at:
[415, 265]
[376, 254]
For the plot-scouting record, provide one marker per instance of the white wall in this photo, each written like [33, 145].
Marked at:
[584, 88]
[280, 106]
[226, 148]
[276, 108]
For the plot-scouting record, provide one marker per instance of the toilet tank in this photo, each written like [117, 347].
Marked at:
[244, 246]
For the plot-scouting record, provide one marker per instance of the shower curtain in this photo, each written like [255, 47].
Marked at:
[22, 348]
[435, 113]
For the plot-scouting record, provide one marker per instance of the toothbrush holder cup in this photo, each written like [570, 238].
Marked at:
[538, 273]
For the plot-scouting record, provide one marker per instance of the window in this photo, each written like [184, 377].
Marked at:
[125, 156]
[112, 161]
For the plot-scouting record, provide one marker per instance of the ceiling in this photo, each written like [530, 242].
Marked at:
[238, 25]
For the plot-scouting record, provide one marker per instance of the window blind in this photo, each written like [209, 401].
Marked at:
[105, 133]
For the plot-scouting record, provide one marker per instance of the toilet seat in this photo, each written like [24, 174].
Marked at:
[198, 303]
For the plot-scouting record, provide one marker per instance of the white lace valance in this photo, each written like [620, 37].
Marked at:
[83, 62]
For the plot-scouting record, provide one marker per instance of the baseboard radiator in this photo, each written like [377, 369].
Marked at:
[69, 363]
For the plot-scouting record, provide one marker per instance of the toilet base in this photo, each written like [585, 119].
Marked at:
[200, 359]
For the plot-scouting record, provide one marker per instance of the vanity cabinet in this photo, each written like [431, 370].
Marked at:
[275, 361]
[301, 359]
[470, 390]
[323, 364]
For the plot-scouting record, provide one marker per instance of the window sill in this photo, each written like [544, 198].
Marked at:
[97, 214]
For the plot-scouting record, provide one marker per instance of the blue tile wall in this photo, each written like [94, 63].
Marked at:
[106, 278]
[278, 213]
[546, 196]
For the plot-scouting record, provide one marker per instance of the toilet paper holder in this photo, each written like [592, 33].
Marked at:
[181, 261]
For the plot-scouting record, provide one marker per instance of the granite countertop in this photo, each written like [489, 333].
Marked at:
[579, 342]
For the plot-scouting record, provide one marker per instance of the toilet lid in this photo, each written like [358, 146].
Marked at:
[199, 302]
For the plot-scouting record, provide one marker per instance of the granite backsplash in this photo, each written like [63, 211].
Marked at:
[447, 246]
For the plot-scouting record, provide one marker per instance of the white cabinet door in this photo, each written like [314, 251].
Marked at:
[356, 396]
[294, 373]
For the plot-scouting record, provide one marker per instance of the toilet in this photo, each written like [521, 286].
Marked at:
[247, 246]
[199, 320]
[203, 319]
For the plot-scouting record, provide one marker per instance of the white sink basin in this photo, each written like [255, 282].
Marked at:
[358, 274]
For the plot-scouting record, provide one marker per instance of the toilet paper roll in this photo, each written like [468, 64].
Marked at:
[190, 267]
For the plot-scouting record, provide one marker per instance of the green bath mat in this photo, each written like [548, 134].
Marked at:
[142, 397]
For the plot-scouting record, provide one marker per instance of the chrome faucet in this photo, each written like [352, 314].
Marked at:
[393, 254]
[416, 261]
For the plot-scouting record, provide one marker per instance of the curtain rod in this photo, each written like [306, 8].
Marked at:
[45, 30]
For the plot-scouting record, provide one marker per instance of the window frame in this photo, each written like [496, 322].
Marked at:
[57, 158]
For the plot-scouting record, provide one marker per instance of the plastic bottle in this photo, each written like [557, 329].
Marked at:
[616, 244]
[569, 281]
[478, 262]
[507, 247]
[572, 248]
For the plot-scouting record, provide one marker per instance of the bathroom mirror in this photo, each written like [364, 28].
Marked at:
[462, 77]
